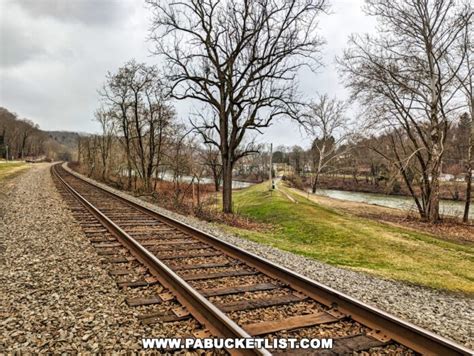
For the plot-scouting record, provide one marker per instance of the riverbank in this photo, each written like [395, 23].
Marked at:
[448, 229]
[449, 190]
[343, 239]
[448, 209]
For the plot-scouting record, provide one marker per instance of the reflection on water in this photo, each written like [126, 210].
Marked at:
[235, 184]
[447, 207]
[169, 177]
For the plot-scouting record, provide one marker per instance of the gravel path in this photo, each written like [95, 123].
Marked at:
[446, 314]
[55, 296]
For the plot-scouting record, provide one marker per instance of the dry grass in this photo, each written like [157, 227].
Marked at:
[9, 170]
[448, 229]
[343, 239]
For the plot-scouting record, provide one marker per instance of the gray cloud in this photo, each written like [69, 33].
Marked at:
[89, 12]
[17, 46]
[55, 54]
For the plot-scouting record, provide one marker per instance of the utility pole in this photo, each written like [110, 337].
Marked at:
[271, 167]
[470, 165]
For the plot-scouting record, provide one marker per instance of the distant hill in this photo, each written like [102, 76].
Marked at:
[23, 139]
[65, 138]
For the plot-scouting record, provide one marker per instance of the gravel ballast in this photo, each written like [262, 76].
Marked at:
[446, 314]
[55, 294]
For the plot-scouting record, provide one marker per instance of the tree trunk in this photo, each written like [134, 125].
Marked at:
[129, 174]
[315, 183]
[216, 182]
[23, 145]
[227, 187]
[468, 195]
[198, 195]
[354, 176]
[433, 204]
[433, 198]
[78, 150]
[147, 178]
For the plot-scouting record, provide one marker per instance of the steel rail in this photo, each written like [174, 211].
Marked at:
[204, 311]
[401, 331]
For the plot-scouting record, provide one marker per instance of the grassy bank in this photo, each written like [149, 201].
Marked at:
[11, 169]
[342, 239]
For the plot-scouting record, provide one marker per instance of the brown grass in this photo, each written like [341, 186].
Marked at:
[202, 201]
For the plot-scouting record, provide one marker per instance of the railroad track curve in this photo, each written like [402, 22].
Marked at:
[224, 291]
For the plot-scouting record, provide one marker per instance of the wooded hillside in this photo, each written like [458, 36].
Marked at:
[22, 139]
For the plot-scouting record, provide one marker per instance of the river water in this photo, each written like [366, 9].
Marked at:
[169, 177]
[235, 183]
[447, 207]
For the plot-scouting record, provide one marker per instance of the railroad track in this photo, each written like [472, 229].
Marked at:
[174, 273]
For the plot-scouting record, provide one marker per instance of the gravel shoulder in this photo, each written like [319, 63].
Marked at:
[446, 314]
[55, 294]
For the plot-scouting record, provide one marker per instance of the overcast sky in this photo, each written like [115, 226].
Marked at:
[55, 54]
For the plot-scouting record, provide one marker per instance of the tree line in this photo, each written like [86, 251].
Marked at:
[238, 61]
[414, 79]
[367, 164]
[22, 139]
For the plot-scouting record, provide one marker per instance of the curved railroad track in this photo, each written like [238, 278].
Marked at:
[179, 274]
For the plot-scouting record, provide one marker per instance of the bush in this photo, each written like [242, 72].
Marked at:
[295, 181]
[396, 188]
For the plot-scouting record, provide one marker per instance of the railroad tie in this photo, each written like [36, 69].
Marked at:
[187, 267]
[106, 252]
[157, 299]
[99, 240]
[148, 281]
[292, 323]
[179, 247]
[260, 303]
[235, 290]
[189, 255]
[176, 314]
[119, 260]
[201, 276]
[120, 272]
[107, 244]
[153, 242]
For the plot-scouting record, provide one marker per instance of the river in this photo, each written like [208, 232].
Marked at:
[169, 177]
[235, 183]
[447, 207]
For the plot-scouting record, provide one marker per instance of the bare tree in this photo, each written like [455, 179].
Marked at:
[239, 58]
[296, 159]
[403, 79]
[116, 96]
[150, 115]
[21, 137]
[179, 159]
[328, 127]
[212, 161]
[136, 97]
[139, 80]
[467, 124]
[465, 77]
[88, 147]
[107, 125]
